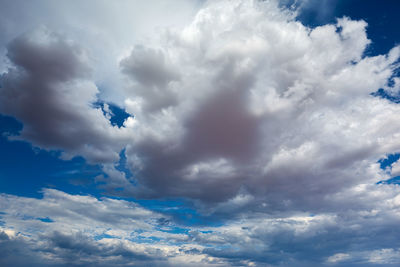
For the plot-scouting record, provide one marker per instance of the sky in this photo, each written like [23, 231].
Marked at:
[199, 133]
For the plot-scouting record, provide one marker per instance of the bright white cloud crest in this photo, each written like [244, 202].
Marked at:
[244, 110]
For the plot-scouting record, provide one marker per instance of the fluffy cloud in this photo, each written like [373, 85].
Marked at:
[243, 99]
[108, 30]
[267, 125]
[247, 99]
[48, 88]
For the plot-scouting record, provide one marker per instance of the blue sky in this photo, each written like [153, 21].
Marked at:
[230, 133]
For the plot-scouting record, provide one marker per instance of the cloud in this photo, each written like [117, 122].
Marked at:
[243, 99]
[267, 125]
[263, 105]
[48, 88]
[152, 73]
[84, 230]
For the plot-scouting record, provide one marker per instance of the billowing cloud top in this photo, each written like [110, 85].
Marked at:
[265, 124]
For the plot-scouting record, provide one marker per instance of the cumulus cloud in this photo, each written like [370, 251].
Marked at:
[48, 88]
[269, 126]
[262, 104]
[243, 99]
[106, 29]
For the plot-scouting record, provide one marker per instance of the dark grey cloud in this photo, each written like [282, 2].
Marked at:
[48, 89]
[57, 249]
[79, 249]
[17, 252]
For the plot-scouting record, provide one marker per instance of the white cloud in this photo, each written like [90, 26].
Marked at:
[287, 108]
[385, 256]
[268, 125]
[338, 257]
[107, 29]
[63, 229]
[56, 227]
[395, 169]
[244, 83]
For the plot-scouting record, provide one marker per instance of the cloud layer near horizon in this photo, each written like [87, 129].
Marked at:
[245, 111]
[72, 230]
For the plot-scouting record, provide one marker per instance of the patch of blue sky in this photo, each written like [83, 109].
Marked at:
[390, 94]
[116, 115]
[121, 166]
[45, 220]
[206, 231]
[389, 160]
[25, 170]
[9, 126]
[173, 230]
[381, 16]
[387, 95]
[386, 163]
[181, 210]
[145, 239]
[393, 180]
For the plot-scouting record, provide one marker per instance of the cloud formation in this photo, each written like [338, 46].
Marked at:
[262, 104]
[48, 88]
[269, 127]
[243, 99]
[63, 230]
